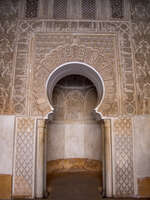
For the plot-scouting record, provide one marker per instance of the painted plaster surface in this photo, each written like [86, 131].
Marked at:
[74, 140]
[56, 141]
[142, 145]
[93, 141]
[6, 144]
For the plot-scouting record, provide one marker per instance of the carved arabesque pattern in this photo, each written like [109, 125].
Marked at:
[127, 85]
[128, 98]
[7, 46]
[142, 62]
[78, 53]
[141, 45]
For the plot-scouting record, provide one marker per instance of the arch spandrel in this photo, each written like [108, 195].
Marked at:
[74, 53]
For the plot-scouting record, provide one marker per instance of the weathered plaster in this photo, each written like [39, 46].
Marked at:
[6, 143]
[142, 145]
[74, 140]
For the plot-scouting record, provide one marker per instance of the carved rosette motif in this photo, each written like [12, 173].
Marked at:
[123, 157]
[23, 179]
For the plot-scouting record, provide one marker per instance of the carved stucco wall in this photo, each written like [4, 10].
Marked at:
[119, 50]
[140, 21]
[16, 99]
[102, 40]
[8, 25]
[141, 45]
[107, 49]
[106, 46]
[129, 96]
[95, 50]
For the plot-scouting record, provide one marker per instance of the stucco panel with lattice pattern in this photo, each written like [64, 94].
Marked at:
[24, 157]
[123, 164]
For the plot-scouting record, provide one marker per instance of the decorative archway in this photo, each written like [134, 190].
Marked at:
[69, 54]
[82, 69]
[74, 135]
[78, 68]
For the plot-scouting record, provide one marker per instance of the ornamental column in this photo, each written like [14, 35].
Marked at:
[39, 184]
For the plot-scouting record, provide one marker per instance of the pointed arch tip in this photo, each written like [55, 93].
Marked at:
[78, 68]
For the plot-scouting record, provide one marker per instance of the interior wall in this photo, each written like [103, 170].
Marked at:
[142, 154]
[74, 137]
[73, 131]
[118, 48]
[74, 140]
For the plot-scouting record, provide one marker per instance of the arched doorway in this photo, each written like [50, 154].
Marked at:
[75, 68]
[74, 138]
